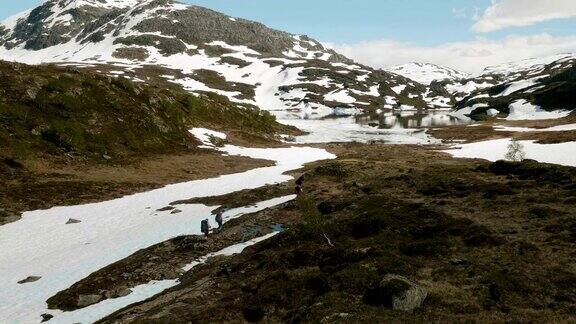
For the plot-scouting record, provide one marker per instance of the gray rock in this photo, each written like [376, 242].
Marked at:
[73, 221]
[30, 279]
[396, 292]
[46, 317]
[458, 262]
[411, 298]
[87, 300]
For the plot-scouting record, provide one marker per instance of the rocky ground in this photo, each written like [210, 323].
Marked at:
[384, 233]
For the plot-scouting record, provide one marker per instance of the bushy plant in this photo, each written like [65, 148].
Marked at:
[515, 152]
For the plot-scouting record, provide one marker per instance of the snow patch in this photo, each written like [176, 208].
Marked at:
[205, 136]
[399, 88]
[523, 110]
[494, 150]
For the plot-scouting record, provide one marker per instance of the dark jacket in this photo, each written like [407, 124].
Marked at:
[204, 226]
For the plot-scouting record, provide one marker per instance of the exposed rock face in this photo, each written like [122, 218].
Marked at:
[203, 50]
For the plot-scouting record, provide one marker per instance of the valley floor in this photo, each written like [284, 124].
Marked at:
[465, 232]
[487, 241]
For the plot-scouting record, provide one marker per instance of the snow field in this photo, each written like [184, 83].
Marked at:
[41, 244]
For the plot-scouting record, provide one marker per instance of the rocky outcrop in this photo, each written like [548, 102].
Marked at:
[396, 292]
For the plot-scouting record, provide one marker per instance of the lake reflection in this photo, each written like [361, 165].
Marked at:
[413, 119]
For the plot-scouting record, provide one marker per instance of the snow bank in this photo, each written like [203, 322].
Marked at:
[517, 86]
[563, 153]
[524, 110]
[399, 88]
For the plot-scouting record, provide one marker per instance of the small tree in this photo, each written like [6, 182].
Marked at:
[515, 151]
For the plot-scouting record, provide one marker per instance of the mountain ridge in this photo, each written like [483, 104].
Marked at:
[203, 50]
[426, 73]
[168, 43]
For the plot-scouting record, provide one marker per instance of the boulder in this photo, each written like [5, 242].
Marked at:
[30, 279]
[396, 292]
[46, 317]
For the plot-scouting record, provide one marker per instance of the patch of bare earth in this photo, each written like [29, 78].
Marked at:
[485, 131]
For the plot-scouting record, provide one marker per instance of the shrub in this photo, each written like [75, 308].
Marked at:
[515, 152]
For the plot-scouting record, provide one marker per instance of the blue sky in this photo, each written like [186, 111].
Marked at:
[422, 22]
[417, 24]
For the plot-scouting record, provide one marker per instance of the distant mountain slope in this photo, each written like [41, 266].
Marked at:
[546, 84]
[206, 51]
[509, 72]
[426, 73]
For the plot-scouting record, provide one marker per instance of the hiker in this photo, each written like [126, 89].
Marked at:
[219, 220]
[300, 181]
[205, 227]
[298, 190]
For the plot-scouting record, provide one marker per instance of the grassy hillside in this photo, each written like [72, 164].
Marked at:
[46, 110]
[71, 137]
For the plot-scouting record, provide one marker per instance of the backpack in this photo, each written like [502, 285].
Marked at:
[204, 226]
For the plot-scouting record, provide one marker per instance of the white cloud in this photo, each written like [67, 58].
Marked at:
[471, 56]
[472, 13]
[460, 12]
[517, 13]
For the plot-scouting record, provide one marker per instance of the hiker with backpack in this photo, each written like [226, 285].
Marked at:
[205, 227]
[219, 220]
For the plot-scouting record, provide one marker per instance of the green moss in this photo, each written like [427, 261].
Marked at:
[51, 110]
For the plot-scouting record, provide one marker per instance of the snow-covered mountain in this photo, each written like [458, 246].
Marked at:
[543, 84]
[426, 73]
[206, 51]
